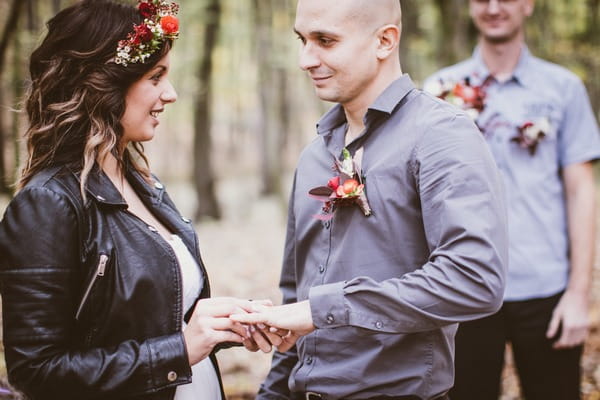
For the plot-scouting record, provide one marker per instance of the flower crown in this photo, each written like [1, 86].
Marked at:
[159, 23]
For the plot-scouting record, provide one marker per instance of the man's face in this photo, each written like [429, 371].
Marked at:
[500, 21]
[338, 50]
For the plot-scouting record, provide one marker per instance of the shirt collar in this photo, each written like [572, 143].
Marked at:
[520, 74]
[386, 103]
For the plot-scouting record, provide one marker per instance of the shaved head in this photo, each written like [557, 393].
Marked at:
[370, 14]
[374, 13]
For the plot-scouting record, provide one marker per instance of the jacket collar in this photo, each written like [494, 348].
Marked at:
[101, 189]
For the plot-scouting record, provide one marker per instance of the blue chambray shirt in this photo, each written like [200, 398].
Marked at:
[539, 245]
[387, 291]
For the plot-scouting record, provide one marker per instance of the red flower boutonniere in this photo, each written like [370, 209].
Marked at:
[531, 133]
[343, 190]
[462, 94]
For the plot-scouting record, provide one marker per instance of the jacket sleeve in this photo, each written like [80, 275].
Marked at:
[276, 383]
[40, 285]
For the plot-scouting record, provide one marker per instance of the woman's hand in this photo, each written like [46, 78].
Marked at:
[210, 325]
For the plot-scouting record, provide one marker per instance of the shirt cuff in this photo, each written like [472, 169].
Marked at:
[327, 305]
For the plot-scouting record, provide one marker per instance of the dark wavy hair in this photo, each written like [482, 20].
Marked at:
[76, 98]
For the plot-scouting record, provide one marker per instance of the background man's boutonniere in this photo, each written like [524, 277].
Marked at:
[345, 189]
[469, 98]
[531, 133]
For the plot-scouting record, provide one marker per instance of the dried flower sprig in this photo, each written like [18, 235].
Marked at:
[343, 190]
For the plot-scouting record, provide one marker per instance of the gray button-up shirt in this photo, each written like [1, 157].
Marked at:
[537, 218]
[386, 291]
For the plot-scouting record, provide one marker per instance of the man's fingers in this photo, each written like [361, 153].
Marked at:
[553, 326]
[263, 344]
[571, 337]
[249, 343]
[288, 342]
[273, 338]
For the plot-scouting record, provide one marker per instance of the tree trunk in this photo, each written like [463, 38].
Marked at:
[8, 32]
[456, 38]
[204, 179]
[56, 6]
[274, 116]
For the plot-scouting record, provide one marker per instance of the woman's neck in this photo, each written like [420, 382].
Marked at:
[111, 167]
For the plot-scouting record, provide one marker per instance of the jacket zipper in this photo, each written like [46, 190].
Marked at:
[99, 273]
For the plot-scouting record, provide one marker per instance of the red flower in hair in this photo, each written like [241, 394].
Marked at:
[147, 10]
[169, 24]
[143, 33]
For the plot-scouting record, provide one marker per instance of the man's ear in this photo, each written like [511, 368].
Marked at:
[389, 40]
[529, 6]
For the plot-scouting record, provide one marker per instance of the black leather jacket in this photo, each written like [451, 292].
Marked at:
[91, 295]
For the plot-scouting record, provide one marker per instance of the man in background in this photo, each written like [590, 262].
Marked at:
[540, 127]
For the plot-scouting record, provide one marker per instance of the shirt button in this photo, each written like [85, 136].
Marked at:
[158, 185]
[186, 220]
[309, 360]
[327, 224]
[100, 198]
[330, 319]
[378, 324]
[321, 268]
[172, 376]
[152, 229]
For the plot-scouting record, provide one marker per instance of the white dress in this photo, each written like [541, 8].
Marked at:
[205, 383]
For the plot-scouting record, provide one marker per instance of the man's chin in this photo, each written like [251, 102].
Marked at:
[326, 95]
[499, 37]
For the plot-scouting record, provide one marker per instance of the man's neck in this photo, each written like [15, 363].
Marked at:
[501, 59]
[356, 110]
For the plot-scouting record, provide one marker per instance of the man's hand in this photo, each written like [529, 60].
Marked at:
[295, 318]
[571, 314]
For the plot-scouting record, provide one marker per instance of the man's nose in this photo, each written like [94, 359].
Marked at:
[493, 6]
[308, 57]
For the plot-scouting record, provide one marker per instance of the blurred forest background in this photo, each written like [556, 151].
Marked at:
[227, 148]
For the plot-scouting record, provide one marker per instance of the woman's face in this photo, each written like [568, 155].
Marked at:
[144, 102]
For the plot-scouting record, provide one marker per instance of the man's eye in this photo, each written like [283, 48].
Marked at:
[325, 41]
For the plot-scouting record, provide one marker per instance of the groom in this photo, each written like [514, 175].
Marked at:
[409, 240]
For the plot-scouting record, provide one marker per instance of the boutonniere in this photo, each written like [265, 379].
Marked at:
[531, 133]
[469, 98]
[345, 189]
